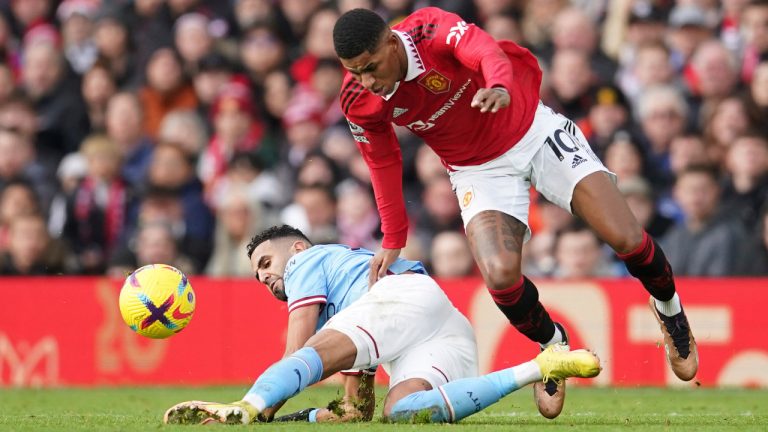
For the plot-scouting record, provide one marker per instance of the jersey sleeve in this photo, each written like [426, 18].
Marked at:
[376, 140]
[472, 46]
[305, 279]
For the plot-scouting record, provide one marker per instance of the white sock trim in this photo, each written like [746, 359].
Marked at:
[669, 308]
[256, 401]
[556, 338]
[527, 373]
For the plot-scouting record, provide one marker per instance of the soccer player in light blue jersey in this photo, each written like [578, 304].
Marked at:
[404, 322]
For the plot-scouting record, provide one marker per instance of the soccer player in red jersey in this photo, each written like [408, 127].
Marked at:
[475, 101]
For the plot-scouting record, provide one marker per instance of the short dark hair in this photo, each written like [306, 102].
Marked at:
[275, 232]
[357, 31]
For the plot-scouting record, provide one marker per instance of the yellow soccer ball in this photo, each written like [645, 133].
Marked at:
[157, 301]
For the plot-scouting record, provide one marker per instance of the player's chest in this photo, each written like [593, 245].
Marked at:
[432, 98]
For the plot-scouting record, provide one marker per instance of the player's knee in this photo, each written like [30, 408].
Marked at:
[629, 240]
[501, 274]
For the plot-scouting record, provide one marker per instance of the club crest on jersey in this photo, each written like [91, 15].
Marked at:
[466, 200]
[435, 82]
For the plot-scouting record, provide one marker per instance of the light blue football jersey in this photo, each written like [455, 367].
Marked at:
[333, 275]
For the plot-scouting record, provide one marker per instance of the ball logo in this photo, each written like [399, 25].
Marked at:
[467, 199]
[435, 82]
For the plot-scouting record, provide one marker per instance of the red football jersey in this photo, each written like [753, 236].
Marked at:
[448, 62]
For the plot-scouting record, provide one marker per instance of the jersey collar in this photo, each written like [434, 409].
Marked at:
[415, 65]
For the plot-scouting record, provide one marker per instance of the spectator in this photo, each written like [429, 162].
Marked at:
[652, 66]
[571, 80]
[539, 252]
[261, 51]
[313, 211]
[114, 45]
[756, 248]
[639, 196]
[450, 255]
[185, 129]
[237, 128]
[623, 157]
[76, 17]
[663, 115]
[745, 189]
[247, 170]
[689, 27]
[30, 250]
[356, 216]
[17, 199]
[97, 89]
[192, 39]
[609, 112]
[722, 124]
[154, 244]
[714, 74]
[579, 255]
[753, 23]
[96, 210]
[504, 25]
[172, 170]
[166, 89]
[124, 127]
[17, 161]
[757, 100]
[237, 218]
[574, 29]
[705, 243]
[213, 73]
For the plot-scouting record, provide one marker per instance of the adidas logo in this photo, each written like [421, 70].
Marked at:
[577, 160]
[397, 112]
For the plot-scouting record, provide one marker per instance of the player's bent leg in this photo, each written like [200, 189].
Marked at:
[616, 225]
[458, 399]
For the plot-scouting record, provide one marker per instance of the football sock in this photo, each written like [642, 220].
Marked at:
[520, 304]
[669, 308]
[648, 263]
[556, 338]
[461, 398]
[286, 378]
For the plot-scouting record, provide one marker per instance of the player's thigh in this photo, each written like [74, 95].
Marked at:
[398, 312]
[448, 356]
[336, 350]
[562, 162]
[598, 201]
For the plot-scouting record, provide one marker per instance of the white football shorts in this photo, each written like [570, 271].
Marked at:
[553, 156]
[407, 324]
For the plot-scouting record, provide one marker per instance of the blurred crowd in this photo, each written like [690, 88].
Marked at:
[135, 132]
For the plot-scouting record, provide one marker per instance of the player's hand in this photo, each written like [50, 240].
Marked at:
[491, 99]
[380, 263]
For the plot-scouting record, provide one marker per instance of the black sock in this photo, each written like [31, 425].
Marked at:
[649, 264]
[520, 304]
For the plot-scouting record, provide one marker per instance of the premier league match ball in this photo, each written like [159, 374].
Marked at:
[157, 301]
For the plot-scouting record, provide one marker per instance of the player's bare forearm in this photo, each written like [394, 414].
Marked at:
[491, 99]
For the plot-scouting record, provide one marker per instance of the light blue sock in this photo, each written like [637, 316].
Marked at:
[286, 378]
[464, 397]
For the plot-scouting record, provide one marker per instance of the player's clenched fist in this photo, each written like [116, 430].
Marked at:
[491, 99]
[380, 263]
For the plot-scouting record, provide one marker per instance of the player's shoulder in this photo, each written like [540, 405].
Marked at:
[358, 104]
[306, 260]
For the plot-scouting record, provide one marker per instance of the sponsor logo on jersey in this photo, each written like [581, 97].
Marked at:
[397, 112]
[435, 82]
[456, 32]
[466, 200]
[577, 160]
[420, 125]
[357, 133]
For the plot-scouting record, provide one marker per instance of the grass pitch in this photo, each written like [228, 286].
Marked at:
[647, 409]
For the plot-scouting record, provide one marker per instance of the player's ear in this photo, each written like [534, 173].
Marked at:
[299, 245]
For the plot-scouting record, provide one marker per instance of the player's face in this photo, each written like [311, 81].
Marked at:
[378, 71]
[268, 264]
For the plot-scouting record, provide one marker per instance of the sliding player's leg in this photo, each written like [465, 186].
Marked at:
[324, 354]
[417, 400]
